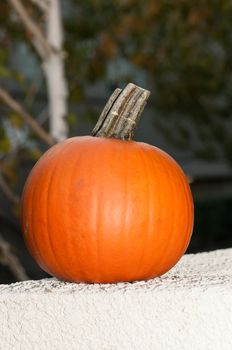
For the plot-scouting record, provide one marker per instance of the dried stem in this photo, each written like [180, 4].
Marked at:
[106, 111]
[15, 106]
[122, 113]
[8, 258]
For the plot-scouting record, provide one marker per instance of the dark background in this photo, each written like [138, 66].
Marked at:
[180, 50]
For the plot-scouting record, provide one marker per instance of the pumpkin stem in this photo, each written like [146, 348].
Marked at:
[121, 113]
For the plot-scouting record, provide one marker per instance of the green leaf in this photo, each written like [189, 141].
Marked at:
[72, 119]
[3, 56]
[5, 145]
[35, 154]
[4, 72]
[15, 120]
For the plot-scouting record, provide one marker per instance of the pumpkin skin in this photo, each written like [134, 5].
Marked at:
[105, 210]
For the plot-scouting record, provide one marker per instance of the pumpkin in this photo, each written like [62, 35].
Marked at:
[102, 209]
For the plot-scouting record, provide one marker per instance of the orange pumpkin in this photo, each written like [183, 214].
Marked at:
[104, 210]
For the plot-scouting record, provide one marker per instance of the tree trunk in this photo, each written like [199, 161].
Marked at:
[55, 76]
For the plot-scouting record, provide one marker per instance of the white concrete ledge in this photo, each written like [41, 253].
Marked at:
[188, 308]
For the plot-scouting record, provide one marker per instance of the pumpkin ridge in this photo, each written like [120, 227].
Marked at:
[173, 233]
[69, 242]
[157, 161]
[33, 248]
[48, 225]
[183, 184]
[95, 226]
[124, 253]
[189, 213]
[114, 153]
[190, 216]
[71, 247]
[147, 210]
[126, 203]
[164, 254]
[174, 212]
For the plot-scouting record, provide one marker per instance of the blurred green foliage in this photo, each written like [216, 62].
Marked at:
[184, 48]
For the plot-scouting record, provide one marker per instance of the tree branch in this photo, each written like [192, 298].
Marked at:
[7, 191]
[39, 41]
[43, 5]
[8, 258]
[15, 106]
[55, 74]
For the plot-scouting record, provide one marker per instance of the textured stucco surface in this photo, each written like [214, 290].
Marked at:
[188, 308]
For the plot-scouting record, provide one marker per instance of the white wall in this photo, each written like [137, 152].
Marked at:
[188, 308]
